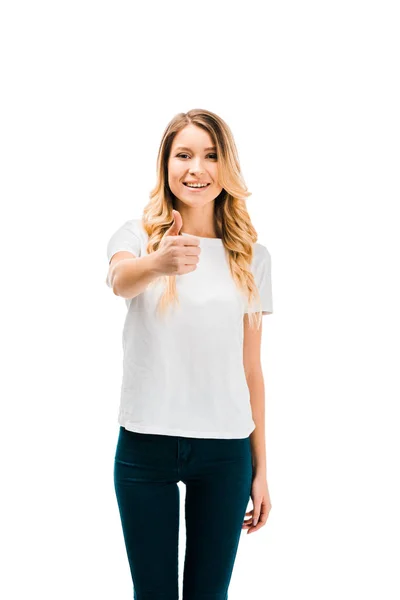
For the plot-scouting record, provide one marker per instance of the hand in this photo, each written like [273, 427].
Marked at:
[261, 505]
[177, 254]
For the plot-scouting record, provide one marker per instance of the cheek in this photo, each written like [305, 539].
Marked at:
[214, 174]
[173, 176]
[175, 172]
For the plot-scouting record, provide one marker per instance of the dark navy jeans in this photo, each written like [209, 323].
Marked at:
[218, 475]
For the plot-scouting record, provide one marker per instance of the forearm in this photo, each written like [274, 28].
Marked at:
[131, 276]
[255, 383]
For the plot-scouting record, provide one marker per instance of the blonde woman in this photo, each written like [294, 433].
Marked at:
[196, 284]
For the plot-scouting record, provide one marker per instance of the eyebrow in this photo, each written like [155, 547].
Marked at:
[205, 149]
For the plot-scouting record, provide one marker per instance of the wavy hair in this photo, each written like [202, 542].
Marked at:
[231, 219]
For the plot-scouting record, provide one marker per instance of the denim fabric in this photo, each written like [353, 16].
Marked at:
[218, 475]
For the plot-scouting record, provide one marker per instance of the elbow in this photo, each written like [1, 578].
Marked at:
[114, 285]
[254, 375]
[119, 288]
[116, 288]
[114, 282]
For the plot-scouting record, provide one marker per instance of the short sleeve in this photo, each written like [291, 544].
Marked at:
[262, 275]
[125, 238]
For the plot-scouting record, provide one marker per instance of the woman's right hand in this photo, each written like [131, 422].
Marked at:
[177, 254]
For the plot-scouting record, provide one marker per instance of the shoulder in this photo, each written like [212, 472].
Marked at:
[135, 225]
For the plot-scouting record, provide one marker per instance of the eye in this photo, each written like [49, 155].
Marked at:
[182, 154]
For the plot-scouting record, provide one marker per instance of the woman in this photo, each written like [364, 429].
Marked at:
[196, 284]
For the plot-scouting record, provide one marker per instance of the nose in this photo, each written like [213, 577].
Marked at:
[196, 167]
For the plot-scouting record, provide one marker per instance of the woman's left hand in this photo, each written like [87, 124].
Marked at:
[261, 505]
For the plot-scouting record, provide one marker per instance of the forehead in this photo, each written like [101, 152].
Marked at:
[193, 137]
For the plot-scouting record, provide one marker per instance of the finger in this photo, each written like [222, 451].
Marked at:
[192, 245]
[189, 241]
[248, 522]
[253, 529]
[176, 225]
[260, 524]
[246, 525]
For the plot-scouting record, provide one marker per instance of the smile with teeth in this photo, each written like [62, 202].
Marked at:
[196, 185]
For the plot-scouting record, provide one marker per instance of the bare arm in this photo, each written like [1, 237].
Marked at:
[257, 437]
[129, 277]
[255, 383]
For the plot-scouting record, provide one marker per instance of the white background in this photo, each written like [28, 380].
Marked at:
[311, 93]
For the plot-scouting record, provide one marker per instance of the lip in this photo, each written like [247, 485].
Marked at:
[198, 190]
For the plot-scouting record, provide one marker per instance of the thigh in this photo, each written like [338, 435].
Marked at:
[148, 501]
[217, 495]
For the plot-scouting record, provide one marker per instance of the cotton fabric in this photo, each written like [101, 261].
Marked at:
[183, 374]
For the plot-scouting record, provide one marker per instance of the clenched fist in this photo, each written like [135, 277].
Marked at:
[177, 254]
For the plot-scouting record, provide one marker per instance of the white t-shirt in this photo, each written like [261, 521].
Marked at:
[183, 374]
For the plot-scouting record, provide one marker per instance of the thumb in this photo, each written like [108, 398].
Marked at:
[176, 225]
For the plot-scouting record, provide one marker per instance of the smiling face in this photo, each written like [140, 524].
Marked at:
[193, 159]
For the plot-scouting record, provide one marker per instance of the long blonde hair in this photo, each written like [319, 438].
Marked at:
[231, 219]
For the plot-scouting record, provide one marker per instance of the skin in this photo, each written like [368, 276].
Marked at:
[198, 163]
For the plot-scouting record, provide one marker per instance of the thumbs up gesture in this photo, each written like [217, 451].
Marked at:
[177, 254]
